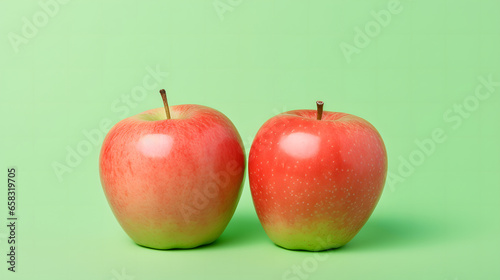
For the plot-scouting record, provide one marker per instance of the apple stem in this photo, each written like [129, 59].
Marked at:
[319, 105]
[165, 103]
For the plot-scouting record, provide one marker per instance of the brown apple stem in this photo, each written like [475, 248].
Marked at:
[165, 103]
[319, 104]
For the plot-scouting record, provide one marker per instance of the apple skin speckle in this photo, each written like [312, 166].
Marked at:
[319, 181]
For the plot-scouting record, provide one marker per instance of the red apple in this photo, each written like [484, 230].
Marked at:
[316, 177]
[173, 182]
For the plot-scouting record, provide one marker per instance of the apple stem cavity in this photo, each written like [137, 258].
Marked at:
[319, 105]
[165, 103]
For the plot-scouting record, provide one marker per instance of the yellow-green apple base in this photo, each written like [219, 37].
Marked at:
[318, 237]
[172, 236]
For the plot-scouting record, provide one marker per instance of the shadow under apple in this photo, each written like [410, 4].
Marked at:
[244, 228]
[398, 232]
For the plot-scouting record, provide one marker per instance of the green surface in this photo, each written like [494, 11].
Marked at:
[84, 68]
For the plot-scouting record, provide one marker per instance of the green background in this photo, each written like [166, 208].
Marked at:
[255, 60]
